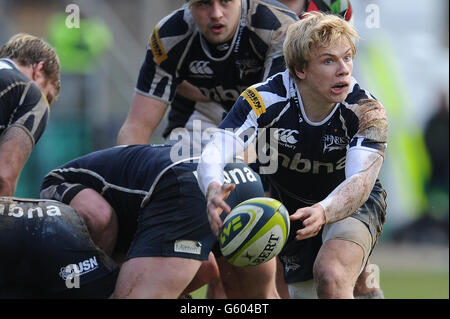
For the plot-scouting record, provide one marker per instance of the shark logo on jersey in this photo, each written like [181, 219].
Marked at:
[201, 69]
[332, 143]
[248, 66]
[286, 137]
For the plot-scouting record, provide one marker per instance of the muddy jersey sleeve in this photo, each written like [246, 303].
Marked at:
[372, 124]
[269, 21]
[158, 76]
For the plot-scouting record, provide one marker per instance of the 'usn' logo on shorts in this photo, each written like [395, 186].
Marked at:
[83, 267]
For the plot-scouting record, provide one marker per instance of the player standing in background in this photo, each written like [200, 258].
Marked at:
[328, 133]
[220, 47]
[29, 83]
[208, 51]
[344, 9]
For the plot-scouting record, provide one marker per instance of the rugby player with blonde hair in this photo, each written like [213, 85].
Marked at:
[328, 137]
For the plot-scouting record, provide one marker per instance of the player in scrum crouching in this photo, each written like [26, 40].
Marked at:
[47, 252]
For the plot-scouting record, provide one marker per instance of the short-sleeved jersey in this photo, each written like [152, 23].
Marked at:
[177, 52]
[22, 103]
[311, 156]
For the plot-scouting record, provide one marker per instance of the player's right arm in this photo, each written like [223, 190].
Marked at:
[158, 79]
[24, 127]
[143, 118]
[15, 148]
[236, 132]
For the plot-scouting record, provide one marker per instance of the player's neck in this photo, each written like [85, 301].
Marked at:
[316, 108]
[25, 69]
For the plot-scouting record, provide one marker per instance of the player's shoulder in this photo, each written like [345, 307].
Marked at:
[10, 76]
[177, 23]
[372, 119]
[269, 15]
[16, 88]
[170, 32]
[273, 93]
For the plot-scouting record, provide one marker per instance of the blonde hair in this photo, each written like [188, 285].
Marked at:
[27, 49]
[314, 30]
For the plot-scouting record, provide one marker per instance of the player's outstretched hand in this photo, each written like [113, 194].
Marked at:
[313, 218]
[215, 197]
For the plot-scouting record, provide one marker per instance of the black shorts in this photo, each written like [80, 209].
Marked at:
[174, 223]
[298, 256]
[40, 241]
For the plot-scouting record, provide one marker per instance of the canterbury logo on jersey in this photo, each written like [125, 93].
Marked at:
[286, 136]
[252, 96]
[158, 51]
[200, 68]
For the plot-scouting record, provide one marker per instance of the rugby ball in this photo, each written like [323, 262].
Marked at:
[254, 232]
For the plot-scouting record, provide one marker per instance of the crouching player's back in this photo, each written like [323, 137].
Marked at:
[47, 253]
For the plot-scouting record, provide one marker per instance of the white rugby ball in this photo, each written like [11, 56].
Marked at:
[254, 232]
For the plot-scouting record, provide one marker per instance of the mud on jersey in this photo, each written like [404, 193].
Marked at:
[22, 103]
[41, 243]
[177, 52]
[311, 155]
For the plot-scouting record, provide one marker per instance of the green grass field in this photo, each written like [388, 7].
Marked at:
[398, 284]
[414, 285]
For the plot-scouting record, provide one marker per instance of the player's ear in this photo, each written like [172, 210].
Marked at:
[38, 70]
[300, 73]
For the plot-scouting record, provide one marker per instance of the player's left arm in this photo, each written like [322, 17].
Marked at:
[26, 126]
[15, 148]
[364, 159]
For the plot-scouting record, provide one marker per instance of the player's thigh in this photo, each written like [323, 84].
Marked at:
[346, 247]
[249, 282]
[155, 277]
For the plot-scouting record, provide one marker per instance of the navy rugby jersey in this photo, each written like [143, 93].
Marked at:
[123, 175]
[22, 103]
[177, 52]
[311, 156]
